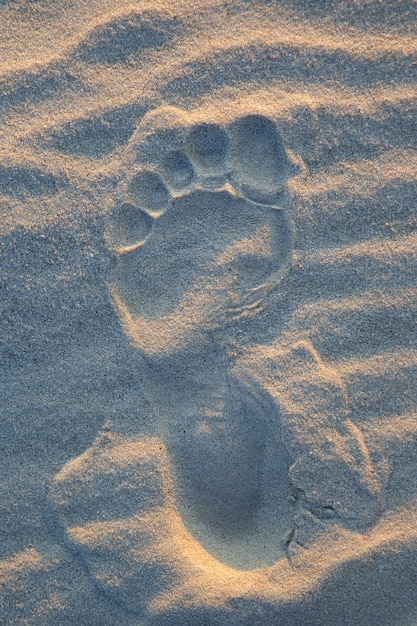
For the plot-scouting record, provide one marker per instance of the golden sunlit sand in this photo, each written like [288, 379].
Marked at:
[208, 313]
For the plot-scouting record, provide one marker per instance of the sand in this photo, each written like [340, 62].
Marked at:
[208, 313]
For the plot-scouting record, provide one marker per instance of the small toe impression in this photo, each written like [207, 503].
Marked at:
[259, 163]
[207, 146]
[177, 170]
[129, 227]
[147, 190]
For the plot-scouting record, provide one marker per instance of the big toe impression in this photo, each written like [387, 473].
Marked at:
[259, 163]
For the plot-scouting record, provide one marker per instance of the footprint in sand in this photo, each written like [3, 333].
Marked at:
[202, 238]
[207, 246]
[232, 457]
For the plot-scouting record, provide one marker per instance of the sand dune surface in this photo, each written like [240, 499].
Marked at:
[208, 242]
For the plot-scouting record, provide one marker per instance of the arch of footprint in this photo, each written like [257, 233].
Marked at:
[250, 464]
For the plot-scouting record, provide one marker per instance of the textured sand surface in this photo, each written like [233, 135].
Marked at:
[208, 240]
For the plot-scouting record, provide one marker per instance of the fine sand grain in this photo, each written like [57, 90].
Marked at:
[208, 243]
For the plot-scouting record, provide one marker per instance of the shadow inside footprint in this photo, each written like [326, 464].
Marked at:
[231, 437]
[231, 474]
